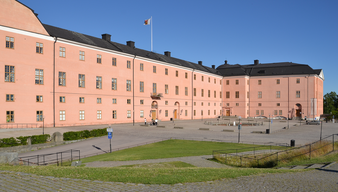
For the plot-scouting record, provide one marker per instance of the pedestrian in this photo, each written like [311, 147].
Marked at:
[145, 121]
[156, 121]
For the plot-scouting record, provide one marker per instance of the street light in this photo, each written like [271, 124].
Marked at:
[269, 124]
[239, 129]
[43, 125]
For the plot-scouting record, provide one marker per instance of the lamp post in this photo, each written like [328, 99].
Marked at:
[269, 124]
[43, 125]
[300, 120]
[321, 129]
[239, 129]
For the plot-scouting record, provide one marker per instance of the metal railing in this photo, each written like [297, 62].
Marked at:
[51, 158]
[20, 125]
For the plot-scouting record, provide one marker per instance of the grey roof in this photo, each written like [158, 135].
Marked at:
[267, 69]
[99, 42]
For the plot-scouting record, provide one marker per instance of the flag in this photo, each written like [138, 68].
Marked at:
[147, 22]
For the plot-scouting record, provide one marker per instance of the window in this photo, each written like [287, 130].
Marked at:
[39, 115]
[114, 84]
[176, 73]
[209, 104]
[194, 91]
[166, 102]
[237, 81]
[82, 80]
[62, 99]
[81, 99]
[298, 81]
[166, 113]
[154, 69]
[186, 75]
[62, 78]
[214, 81]
[141, 113]
[220, 82]
[194, 112]
[247, 82]
[9, 116]
[128, 114]
[128, 101]
[166, 89]
[209, 79]
[9, 73]
[194, 76]
[259, 94]
[39, 76]
[275, 112]
[186, 91]
[99, 114]
[141, 86]
[128, 65]
[113, 63]
[82, 115]
[277, 94]
[208, 93]
[247, 94]
[186, 103]
[141, 66]
[297, 94]
[257, 112]
[202, 78]
[99, 59]
[259, 104]
[141, 102]
[9, 97]
[202, 112]
[114, 100]
[237, 94]
[227, 94]
[277, 81]
[176, 90]
[194, 103]
[278, 104]
[166, 71]
[220, 94]
[114, 114]
[10, 42]
[128, 85]
[259, 82]
[237, 104]
[39, 48]
[280, 112]
[262, 112]
[82, 55]
[201, 103]
[62, 52]
[227, 82]
[98, 82]
[202, 92]
[208, 112]
[214, 112]
[186, 112]
[98, 100]
[62, 115]
[154, 88]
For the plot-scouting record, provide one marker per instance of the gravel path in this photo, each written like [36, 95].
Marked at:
[315, 180]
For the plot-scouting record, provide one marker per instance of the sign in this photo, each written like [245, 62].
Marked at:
[271, 121]
[109, 129]
[110, 135]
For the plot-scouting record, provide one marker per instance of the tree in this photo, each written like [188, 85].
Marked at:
[330, 103]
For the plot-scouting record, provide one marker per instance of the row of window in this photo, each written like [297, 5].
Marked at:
[259, 104]
[276, 112]
[259, 82]
[227, 94]
[10, 45]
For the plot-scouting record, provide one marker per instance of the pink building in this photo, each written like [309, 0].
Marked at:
[65, 78]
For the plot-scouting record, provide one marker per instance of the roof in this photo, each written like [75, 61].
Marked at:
[102, 43]
[267, 69]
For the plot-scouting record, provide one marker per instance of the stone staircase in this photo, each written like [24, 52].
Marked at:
[310, 166]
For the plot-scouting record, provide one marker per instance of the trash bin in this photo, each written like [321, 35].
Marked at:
[171, 119]
[292, 143]
[267, 131]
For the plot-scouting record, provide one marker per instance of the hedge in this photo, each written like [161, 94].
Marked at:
[76, 135]
[35, 139]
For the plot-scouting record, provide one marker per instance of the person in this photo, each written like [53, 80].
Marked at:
[156, 121]
[145, 121]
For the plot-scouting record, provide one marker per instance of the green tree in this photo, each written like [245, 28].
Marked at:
[330, 102]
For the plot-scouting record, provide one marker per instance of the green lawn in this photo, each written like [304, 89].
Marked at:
[324, 159]
[168, 149]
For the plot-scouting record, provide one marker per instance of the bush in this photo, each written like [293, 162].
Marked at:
[8, 142]
[76, 135]
[37, 139]
[23, 140]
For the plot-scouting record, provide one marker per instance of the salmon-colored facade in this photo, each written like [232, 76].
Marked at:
[65, 78]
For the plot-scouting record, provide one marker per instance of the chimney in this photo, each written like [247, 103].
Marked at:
[256, 62]
[167, 53]
[200, 62]
[106, 37]
[131, 44]
[226, 62]
[213, 66]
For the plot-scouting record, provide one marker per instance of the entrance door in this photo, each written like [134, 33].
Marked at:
[153, 114]
[298, 111]
[227, 113]
[175, 114]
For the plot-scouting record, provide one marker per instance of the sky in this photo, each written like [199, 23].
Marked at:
[239, 31]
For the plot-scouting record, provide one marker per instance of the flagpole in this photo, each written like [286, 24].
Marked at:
[151, 26]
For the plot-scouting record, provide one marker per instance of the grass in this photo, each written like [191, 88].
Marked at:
[174, 164]
[169, 149]
[142, 175]
[323, 159]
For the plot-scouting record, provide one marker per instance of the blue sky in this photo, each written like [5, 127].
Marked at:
[240, 31]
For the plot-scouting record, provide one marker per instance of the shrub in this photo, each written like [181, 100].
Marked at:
[37, 139]
[76, 135]
[8, 142]
[23, 140]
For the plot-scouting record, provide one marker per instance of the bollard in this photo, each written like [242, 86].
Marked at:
[292, 143]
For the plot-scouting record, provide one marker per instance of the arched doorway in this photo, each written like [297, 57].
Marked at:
[298, 108]
[177, 110]
[154, 110]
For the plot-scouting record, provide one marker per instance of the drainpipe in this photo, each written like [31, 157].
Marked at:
[192, 94]
[54, 81]
[134, 90]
